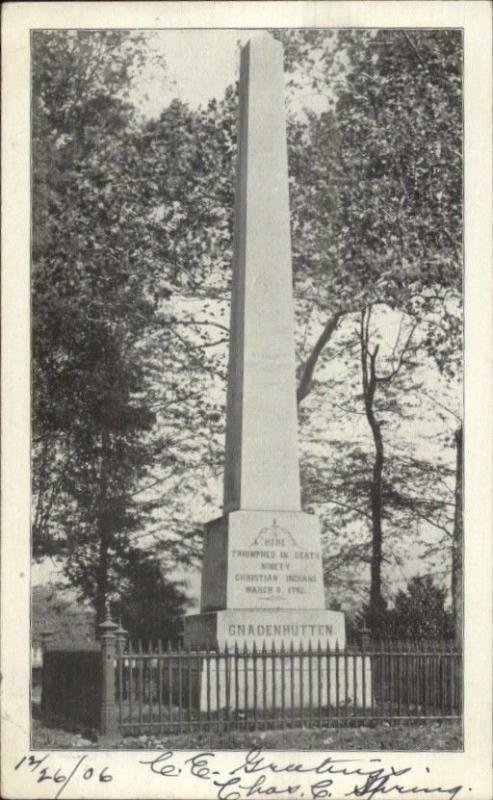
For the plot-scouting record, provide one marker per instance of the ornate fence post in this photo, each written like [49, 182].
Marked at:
[109, 720]
[121, 638]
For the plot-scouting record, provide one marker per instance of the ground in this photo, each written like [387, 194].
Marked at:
[445, 735]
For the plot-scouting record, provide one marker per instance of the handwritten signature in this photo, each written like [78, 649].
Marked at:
[255, 775]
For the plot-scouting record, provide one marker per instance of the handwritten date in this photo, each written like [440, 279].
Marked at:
[57, 775]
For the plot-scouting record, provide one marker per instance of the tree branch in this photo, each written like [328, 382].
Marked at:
[393, 373]
[308, 370]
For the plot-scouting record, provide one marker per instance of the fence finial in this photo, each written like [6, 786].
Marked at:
[365, 636]
[121, 636]
[108, 627]
[46, 635]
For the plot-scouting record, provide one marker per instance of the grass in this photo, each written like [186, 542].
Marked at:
[380, 736]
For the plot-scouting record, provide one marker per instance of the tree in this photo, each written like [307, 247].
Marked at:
[55, 615]
[98, 292]
[89, 418]
[376, 178]
[132, 221]
[371, 382]
[458, 539]
[382, 492]
[150, 607]
[375, 184]
[419, 612]
[377, 197]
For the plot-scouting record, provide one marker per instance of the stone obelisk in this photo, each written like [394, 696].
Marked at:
[262, 568]
[261, 443]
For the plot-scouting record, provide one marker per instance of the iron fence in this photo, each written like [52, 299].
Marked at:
[269, 688]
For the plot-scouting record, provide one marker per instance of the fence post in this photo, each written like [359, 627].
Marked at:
[366, 638]
[121, 638]
[45, 635]
[45, 640]
[109, 719]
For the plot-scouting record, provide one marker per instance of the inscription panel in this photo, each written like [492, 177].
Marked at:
[274, 561]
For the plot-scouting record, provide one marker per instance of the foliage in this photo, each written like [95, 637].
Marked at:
[417, 483]
[98, 327]
[149, 606]
[132, 246]
[54, 614]
[377, 219]
[419, 612]
[416, 613]
[382, 177]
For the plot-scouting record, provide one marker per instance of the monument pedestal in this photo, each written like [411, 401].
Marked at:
[270, 627]
[267, 640]
[262, 560]
[275, 659]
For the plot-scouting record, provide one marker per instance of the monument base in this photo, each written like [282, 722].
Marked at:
[243, 627]
[281, 677]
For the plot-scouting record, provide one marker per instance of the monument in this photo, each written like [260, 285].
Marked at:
[262, 568]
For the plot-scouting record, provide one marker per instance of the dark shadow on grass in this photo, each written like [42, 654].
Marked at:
[50, 730]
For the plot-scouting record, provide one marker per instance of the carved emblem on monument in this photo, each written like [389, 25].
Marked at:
[275, 536]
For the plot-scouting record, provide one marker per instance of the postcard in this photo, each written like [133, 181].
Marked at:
[247, 400]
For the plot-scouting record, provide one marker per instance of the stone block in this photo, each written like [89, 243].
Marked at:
[262, 560]
[244, 627]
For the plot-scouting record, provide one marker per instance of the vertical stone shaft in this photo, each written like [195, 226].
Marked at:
[262, 470]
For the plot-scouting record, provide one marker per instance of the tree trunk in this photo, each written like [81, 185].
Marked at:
[369, 382]
[377, 603]
[40, 520]
[102, 583]
[457, 543]
[103, 535]
[306, 377]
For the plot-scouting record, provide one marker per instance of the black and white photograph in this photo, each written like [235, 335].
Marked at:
[248, 416]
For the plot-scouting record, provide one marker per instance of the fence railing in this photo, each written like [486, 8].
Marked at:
[126, 689]
[179, 691]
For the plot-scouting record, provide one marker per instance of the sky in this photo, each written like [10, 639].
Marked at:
[200, 65]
